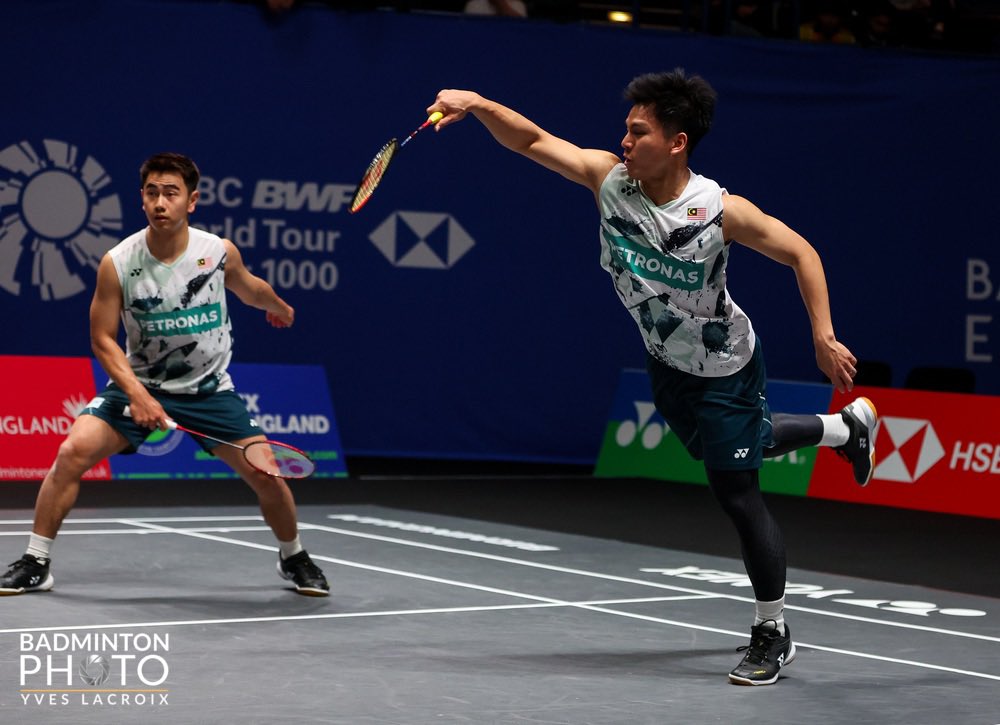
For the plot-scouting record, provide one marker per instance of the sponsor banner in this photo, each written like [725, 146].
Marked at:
[39, 399]
[638, 442]
[42, 396]
[405, 299]
[291, 403]
[931, 454]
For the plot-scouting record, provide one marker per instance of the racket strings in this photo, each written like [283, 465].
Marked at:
[279, 459]
[373, 175]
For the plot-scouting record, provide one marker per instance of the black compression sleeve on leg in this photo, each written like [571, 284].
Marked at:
[761, 540]
[792, 432]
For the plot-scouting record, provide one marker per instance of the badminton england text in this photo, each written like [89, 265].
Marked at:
[94, 669]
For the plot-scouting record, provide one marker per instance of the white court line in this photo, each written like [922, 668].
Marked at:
[151, 532]
[177, 519]
[589, 607]
[340, 615]
[644, 582]
[547, 601]
[474, 554]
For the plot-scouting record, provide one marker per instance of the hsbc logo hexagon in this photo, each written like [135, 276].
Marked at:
[915, 448]
[426, 240]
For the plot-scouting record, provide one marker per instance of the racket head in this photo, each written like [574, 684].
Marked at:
[373, 175]
[279, 459]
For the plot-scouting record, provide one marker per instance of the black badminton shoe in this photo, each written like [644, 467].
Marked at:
[861, 418]
[766, 654]
[27, 574]
[304, 574]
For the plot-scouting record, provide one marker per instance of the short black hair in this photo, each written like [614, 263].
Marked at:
[169, 162]
[680, 102]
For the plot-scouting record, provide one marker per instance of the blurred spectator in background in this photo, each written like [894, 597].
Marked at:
[509, 8]
[877, 25]
[279, 6]
[827, 22]
[751, 19]
[746, 18]
[925, 23]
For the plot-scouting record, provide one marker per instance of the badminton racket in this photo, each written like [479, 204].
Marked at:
[267, 456]
[380, 164]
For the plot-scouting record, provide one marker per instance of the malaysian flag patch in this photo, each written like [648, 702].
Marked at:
[207, 261]
[697, 213]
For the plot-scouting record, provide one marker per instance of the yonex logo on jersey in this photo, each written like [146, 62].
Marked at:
[180, 322]
[915, 449]
[741, 453]
[135, 272]
[650, 264]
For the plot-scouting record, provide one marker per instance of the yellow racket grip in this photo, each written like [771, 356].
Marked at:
[435, 117]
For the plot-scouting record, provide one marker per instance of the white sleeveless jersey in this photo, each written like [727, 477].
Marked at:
[668, 264]
[177, 326]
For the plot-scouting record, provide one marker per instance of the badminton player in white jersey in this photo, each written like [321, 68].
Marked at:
[166, 285]
[665, 238]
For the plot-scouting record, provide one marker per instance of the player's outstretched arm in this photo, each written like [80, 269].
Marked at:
[745, 223]
[254, 291]
[588, 167]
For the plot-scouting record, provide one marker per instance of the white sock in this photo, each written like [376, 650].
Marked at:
[835, 430]
[289, 548]
[39, 546]
[771, 610]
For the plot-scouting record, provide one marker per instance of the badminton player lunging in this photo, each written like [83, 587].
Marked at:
[167, 285]
[665, 239]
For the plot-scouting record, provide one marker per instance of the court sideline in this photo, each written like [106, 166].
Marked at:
[436, 618]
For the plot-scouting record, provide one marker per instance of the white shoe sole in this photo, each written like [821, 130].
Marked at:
[305, 591]
[43, 587]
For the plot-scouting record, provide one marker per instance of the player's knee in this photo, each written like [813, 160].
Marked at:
[267, 488]
[736, 491]
[72, 458]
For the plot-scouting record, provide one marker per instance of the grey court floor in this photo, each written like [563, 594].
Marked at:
[183, 619]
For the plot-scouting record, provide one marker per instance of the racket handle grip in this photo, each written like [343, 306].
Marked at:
[435, 117]
[171, 423]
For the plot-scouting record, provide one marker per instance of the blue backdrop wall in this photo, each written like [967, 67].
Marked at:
[463, 313]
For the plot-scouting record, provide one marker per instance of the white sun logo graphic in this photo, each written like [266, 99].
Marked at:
[58, 208]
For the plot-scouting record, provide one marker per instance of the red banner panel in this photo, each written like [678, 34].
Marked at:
[39, 399]
[934, 452]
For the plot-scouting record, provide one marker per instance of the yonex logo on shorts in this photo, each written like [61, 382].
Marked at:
[741, 453]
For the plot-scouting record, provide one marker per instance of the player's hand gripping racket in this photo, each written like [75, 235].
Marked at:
[380, 164]
[270, 457]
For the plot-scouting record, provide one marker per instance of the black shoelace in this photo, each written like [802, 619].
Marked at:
[760, 640]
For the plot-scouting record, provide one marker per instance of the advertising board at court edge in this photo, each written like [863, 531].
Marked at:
[931, 453]
[93, 670]
[288, 402]
[37, 411]
[934, 452]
